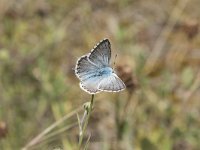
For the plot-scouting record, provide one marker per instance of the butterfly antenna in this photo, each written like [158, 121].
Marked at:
[114, 62]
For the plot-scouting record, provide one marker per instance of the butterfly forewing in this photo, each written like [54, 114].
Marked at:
[101, 54]
[84, 68]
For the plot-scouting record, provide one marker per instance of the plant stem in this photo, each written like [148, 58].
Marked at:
[86, 122]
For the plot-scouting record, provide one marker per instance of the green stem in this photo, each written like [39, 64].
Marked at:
[86, 122]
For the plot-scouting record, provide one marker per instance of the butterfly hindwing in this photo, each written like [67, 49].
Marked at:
[90, 84]
[111, 83]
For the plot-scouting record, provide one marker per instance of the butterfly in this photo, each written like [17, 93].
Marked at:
[95, 73]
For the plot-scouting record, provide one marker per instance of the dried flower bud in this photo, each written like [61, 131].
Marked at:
[181, 145]
[191, 28]
[126, 74]
[3, 129]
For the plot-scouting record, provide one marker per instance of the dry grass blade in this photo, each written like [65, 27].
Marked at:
[193, 88]
[47, 130]
[152, 62]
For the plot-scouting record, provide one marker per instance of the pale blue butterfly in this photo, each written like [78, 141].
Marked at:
[95, 73]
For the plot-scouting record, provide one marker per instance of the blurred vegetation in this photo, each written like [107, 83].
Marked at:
[158, 47]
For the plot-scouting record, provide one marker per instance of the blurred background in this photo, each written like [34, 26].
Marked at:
[158, 47]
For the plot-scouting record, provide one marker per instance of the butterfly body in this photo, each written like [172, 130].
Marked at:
[107, 71]
[95, 73]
